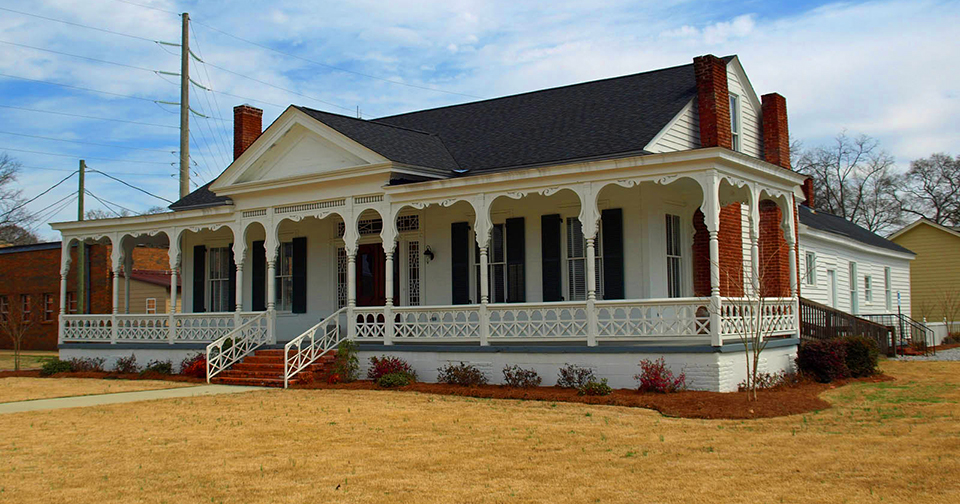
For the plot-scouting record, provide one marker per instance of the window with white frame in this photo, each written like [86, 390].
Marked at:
[868, 288]
[218, 279]
[810, 263]
[4, 308]
[577, 261]
[48, 307]
[854, 295]
[151, 306]
[735, 121]
[496, 265]
[674, 257]
[887, 288]
[285, 278]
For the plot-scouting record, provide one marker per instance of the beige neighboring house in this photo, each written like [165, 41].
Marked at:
[934, 274]
[149, 292]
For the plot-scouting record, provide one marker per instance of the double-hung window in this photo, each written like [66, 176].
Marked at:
[4, 308]
[810, 263]
[285, 278]
[48, 307]
[868, 288]
[577, 261]
[71, 302]
[854, 295]
[887, 289]
[674, 257]
[496, 265]
[219, 279]
[735, 121]
[26, 306]
[151, 307]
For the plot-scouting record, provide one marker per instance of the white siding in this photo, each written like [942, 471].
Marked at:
[751, 139]
[837, 257]
[683, 133]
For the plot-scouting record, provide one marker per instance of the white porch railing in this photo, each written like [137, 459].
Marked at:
[303, 350]
[538, 321]
[237, 344]
[436, 322]
[777, 317]
[653, 318]
[142, 328]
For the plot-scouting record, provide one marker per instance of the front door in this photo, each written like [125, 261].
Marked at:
[371, 278]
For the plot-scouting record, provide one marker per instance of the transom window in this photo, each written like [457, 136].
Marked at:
[810, 260]
[577, 261]
[219, 279]
[674, 257]
[735, 121]
[285, 278]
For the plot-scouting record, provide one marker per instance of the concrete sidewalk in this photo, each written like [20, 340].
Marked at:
[120, 397]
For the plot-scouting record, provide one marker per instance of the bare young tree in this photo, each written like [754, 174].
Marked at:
[14, 217]
[948, 300]
[931, 189]
[853, 179]
[17, 316]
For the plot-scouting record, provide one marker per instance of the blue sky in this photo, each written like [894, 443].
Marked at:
[886, 69]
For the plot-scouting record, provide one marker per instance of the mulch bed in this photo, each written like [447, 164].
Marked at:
[782, 401]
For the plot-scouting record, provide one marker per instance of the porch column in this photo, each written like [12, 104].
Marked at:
[116, 261]
[174, 253]
[483, 226]
[755, 241]
[791, 239]
[239, 257]
[589, 225]
[711, 218]
[64, 272]
[484, 294]
[388, 328]
[351, 291]
[239, 289]
[127, 270]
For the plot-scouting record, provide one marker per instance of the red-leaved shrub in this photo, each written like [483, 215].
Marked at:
[385, 365]
[655, 376]
[823, 360]
[195, 366]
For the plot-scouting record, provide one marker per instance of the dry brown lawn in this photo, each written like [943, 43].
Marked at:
[29, 359]
[893, 441]
[24, 389]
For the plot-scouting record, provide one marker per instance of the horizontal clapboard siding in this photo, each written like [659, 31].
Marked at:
[751, 140]
[682, 134]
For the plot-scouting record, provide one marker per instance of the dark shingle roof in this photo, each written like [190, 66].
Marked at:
[830, 223]
[604, 118]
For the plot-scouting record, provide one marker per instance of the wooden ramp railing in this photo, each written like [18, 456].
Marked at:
[820, 322]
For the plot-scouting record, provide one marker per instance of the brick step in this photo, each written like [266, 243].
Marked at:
[252, 382]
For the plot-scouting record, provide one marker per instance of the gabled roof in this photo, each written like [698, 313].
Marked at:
[923, 220]
[155, 277]
[830, 223]
[199, 198]
[591, 120]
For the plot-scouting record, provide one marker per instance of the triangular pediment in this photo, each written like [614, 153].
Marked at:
[293, 147]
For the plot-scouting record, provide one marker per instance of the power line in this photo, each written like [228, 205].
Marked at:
[86, 157]
[216, 102]
[87, 143]
[79, 87]
[135, 174]
[71, 23]
[206, 163]
[149, 7]
[277, 87]
[90, 117]
[339, 69]
[129, 185]
[104, 203]
[31, 200]
[41, 219]
[80, 57]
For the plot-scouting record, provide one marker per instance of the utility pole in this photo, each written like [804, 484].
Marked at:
[185, 106]
[81, 248]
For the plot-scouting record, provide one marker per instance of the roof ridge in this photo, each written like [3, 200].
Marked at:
[565, 86]
[368, 121]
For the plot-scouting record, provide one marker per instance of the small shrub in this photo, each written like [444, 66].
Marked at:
[396, 379]
[862, 357]
[158, 367]
[767, 381]
[346, 366]
[87, 364]
[655, 376]
[465, 375]
[127, 365]
[52, 367]
[195, 366]
[951, 339]
[574, 376]
[516, 376]
[595, 388]
[823, 360]
[384, 365]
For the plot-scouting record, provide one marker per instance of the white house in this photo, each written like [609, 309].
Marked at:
[598, 224]
[847, 267]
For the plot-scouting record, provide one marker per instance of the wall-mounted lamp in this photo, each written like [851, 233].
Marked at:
[428, 253]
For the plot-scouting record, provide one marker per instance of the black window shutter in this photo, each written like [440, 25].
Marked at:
[258, 295]
[232, 282]
[460, 261]
[300, 275]
[516, 256]
[550, 260]
[199, 278]
[612, 222]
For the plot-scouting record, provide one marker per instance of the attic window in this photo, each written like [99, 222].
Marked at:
[735, 122]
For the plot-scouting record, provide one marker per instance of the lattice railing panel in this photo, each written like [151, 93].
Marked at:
[653, 319]
[87, 328]
[203, 327]
[547, 320]
[369, 323]
[776, 316]
[144, 328]
[436, 322]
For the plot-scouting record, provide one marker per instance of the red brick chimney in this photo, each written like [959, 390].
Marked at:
[807, 189]
[776, 138]
[713, 101]
[247, 126]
